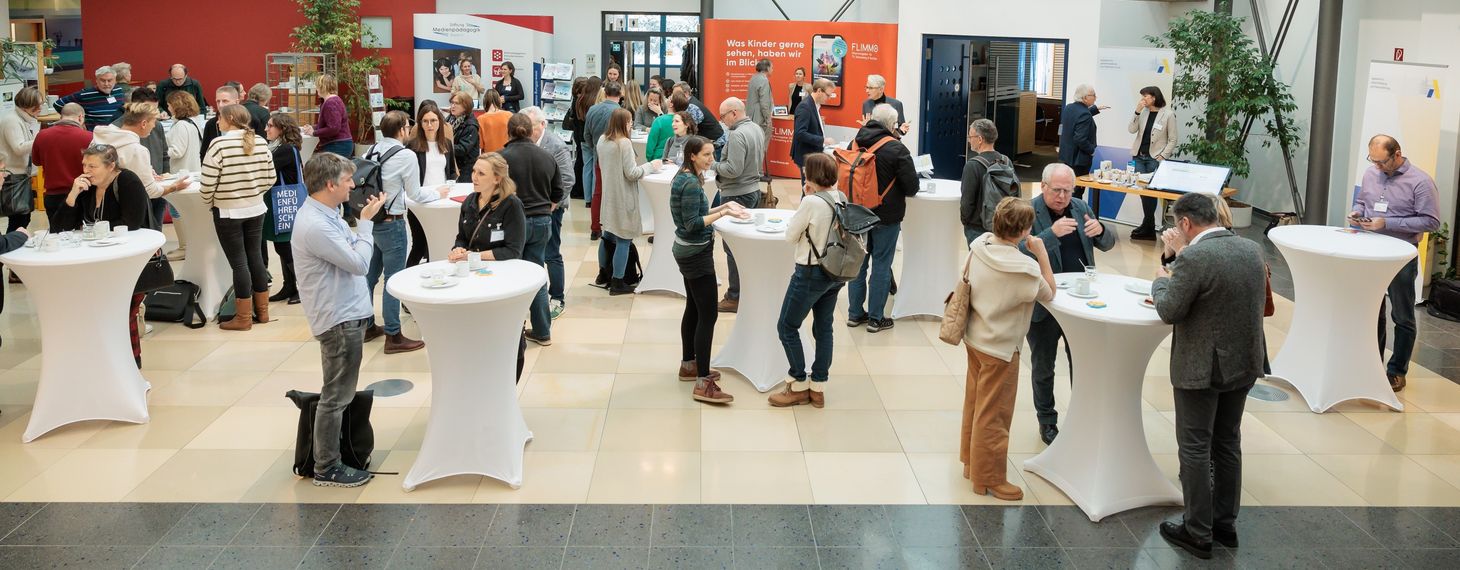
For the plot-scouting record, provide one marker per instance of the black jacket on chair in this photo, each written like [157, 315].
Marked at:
[808, 136]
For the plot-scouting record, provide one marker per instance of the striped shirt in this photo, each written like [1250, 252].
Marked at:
[101, 108]
[234, 182]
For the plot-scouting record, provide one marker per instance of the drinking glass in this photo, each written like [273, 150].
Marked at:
[1091, 273]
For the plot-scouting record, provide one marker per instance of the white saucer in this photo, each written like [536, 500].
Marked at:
[1064, 284]
[452, 282]
[104, 242]
[1093, 294]
[771, 228]
[740, 221]
[1139, 287]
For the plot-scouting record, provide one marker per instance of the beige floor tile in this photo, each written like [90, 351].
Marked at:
[582, 358]
[409, 437]
[205, 475]
[271, 389]
[1323, 433]
[250, 428]
[846, 430]
[1447, 467]
[69, 436]
[416, 361]
[754, 477]
[100, 475]
[1042, 491]
[237, 355]
[24, 463]
[390, 424]
[419, 394]
[654, 477]
[1258, 438]
[927, 432]
[902, 361]
[591, 331]
[863, 478]
[596, 304]
[207, 388]
[278, 484]
[651, 430]
[657, 307]
[1023, 433]
[549, 478]
[845, 360]
[387, 489]
[648, 358]
[1452, 419]
[170, 427]
[1160, 430]
[940, 475]
[18, 387]
[920, 392]
[176, 354]
[1411, 433]
[663, 390]
[1385, 480]
[1433, 394]
[567, 390]
[561, 429]
[748, 430]
[904, 333]
[849, 392]
[307, 359]
[1294, 480]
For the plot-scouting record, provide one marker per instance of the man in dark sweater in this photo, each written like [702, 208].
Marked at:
[179, 81]
[257, 104]
[535, 172]
[103, 101]
[897, 178]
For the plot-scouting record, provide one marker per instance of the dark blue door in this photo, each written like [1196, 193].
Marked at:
[945, 105]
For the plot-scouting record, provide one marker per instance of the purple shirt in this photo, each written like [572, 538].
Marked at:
[333, 124]
[1410, 195]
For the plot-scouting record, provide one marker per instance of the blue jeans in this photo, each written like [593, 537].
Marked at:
[881, 246]
[749, 200]
[345, 148]
[1401, 294]
[810, 291]
[590, 160]
[620, 254]
[159, 209]
[554, 255]
[539, 231]
[389, 257]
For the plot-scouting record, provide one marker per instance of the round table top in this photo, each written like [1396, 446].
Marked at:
[458, 189]
[1342, 243]
[1121, 306]
[667, 173]
[749, 230]
[506, 279]
[942, 190]
[134, 242]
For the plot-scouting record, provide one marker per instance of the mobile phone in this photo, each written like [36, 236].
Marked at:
[828, 58]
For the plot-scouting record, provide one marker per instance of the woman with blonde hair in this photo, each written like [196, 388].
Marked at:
[633, 97]
[333, 125]
[238, 172]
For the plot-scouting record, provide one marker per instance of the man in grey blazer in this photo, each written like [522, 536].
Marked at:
[759, 104]
[1213, 296]
[1071, 232]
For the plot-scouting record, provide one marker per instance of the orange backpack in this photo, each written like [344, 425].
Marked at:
[856, 174]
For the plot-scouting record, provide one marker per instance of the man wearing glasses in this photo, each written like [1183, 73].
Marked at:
[877, 95]
[1396, 199]
[737, 174]
[1070, 232]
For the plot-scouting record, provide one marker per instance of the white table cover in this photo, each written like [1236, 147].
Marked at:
[1331, 354]
[471, 332]
[662, 272]
[765, 261]
[933, 249]
[81, 297]
[1101, 460]
[438, 219]
[205, 266]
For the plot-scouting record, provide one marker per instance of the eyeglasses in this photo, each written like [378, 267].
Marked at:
[1060, 191]
[1379, 162]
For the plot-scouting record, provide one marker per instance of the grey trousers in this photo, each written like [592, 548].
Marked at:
[749, 200]
[340, 354]
[1209, 441]
[1044, 339]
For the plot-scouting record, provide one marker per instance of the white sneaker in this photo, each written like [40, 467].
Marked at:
[178, 254]
[556, 308]
[148, 330]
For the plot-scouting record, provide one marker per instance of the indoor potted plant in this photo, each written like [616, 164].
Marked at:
[333, 26]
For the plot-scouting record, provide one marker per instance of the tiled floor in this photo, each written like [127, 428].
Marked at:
[613, 425]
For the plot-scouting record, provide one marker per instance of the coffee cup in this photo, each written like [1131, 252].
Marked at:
[475, 259]
[462, 269]
[119, 231]
[103, 228]
[1082, 286]
[760, 218]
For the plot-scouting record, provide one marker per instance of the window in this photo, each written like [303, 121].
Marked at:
[380, 27]
[646, 23]
[682, 24]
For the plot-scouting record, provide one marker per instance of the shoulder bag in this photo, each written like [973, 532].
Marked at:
[284, 199]
[957, 307]
[17, 196]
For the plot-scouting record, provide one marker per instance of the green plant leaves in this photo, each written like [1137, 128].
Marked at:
[333, 26]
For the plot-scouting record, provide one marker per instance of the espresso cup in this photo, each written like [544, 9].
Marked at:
[1082, 286]
[462, 268]
[475, 259]
[760, 218]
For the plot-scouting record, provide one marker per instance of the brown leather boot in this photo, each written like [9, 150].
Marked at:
[818, 398]
[261, 307]
[400, 343]
[789, 396]
[373, 332]
[242, 316]
[1003, 491]
[687, 371]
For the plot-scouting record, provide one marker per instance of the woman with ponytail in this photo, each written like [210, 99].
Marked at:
[238, 171]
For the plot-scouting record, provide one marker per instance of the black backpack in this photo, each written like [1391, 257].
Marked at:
[1444, 300]
[368, 181]
[632, 275]
[176, 303]
[357, 438]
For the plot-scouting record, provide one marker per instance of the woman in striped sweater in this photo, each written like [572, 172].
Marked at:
[238, 171]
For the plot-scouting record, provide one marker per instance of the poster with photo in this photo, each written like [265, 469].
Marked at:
[445, 44]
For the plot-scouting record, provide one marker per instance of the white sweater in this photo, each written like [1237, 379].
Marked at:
[1005, 284]
[131, 155]
[185, 145]
[17, 134]
[812, 218]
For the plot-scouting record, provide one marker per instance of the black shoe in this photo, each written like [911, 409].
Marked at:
[618, 287]
[856, 322]
[651, 240]
[374, 332]
[877, 325]
[540, 341]
[341, 475]
[284, 295]
[293, 300]
[1227, 538]
[892, 290]
[1048, 432]
[1143, 234]
[1175, 533]
[595, 235]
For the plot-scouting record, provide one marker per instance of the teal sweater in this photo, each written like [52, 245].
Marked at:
[688, 207]
[660, 132]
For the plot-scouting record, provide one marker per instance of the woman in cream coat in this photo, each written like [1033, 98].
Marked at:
[620, 214]
[1154, 125]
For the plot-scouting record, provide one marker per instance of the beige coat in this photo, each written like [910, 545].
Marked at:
[1164, 137]
[1005, 284]
[620, 188]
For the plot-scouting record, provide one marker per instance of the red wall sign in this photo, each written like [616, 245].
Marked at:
[1398, 54]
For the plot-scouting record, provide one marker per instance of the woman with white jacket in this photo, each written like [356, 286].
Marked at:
[17, 133]
[185, 138]
[1154, 125]
[138, 120]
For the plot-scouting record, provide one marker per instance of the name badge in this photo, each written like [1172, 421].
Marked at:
[1158, 127]
[498, 235]
[507, 88]
[1381, 206]
[111, 100]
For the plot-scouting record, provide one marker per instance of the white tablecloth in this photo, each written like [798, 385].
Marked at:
[438, 219]
[765, 262]
[932, 249]
[471, 332]
[205, 266]
[662, 272]
[1100, 460]
[640, 142]
[1331, 354]
[81, 297]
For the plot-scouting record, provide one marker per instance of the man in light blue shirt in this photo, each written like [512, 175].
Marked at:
[400, 178]
[330, 262]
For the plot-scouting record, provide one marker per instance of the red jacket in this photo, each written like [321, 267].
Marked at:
[57, 150]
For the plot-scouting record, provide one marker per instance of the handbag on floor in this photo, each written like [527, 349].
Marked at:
[177, 303]
[957, 307]
[357, 437]
[1444, 300]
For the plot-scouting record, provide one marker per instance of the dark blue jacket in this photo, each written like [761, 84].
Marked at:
[808, 137]
[1077, 134]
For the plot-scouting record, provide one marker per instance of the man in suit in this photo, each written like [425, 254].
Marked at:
[809, 135]
[1213, 296]
[1071, 232]
[1077, 132]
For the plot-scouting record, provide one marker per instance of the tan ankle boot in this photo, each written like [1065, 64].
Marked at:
[242, 316]
[1003, 491]
[791, 395]
[261, 307]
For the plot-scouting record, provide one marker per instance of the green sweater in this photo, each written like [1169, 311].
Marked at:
[661, 131]
[688, 206]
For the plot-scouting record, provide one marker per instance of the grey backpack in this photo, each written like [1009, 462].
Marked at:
[999, 182]
[846, 239]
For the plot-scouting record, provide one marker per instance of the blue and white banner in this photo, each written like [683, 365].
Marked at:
[445, 43]
[1123, 72]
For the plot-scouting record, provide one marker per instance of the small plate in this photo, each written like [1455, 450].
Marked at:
[1148, 303]
[771, 229]
[1139, 287]
[1064, 283]
[452, 282]
[740, 221]
[1093, 294]
[104, 242]
[775, 220]
[1096, 304]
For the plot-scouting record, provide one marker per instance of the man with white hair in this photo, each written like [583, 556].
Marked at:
[1077, 132]
[1070, 231]
[737, 174]
[897, 178]
[555, 146]
[877, 95]
[178, 80]
[102, 101]
[124, 76]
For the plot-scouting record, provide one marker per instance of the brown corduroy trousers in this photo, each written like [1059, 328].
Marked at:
[988, 409]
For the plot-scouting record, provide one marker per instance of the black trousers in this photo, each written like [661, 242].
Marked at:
[1044, 339]
[242, 242]
[1209, 438]
[286, 259]
[1080, 171]
[697, 326]
[54, 203]
[418, 252]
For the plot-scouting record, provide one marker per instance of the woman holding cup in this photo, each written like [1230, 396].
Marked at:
[493, 223]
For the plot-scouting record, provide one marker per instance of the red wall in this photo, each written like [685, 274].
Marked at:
[191, 33]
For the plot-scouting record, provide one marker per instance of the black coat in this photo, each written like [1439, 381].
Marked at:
[127, 205]
[465, 145]
[896, 172]
[1077, 134]
[808, 137]
[258, 117]
[536, 174]
[474, 228]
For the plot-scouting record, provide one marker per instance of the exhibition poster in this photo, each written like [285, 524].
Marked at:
[446, 43]
[1122, 74]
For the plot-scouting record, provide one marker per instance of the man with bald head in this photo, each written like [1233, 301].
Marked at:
[1070, 232]
[1396, 199]
[737, 174]
[178, 80]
